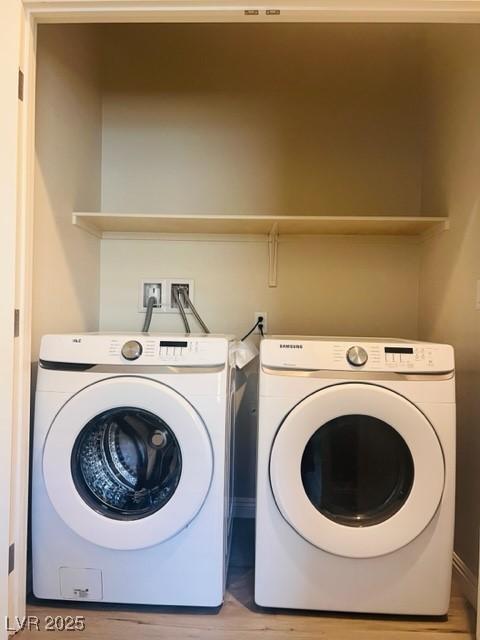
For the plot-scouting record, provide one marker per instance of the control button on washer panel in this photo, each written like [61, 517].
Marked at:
[132, 350]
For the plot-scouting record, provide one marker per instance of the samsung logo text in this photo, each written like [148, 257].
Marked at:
[291, 346]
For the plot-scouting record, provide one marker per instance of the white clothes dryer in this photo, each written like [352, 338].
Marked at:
[356, 475]
[131, 486]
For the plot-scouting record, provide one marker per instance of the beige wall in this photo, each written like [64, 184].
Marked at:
[451, 261]
[67, 177]
[273, 119]
[327, 285]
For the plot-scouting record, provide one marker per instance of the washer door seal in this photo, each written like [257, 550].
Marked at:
[357, 470]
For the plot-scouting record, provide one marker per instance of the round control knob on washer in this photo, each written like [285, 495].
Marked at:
[357, 356]
[132, 350]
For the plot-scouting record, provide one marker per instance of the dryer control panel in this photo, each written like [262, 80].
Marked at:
[136, 349]
[356, 354]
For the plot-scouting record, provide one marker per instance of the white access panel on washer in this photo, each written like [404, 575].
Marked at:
[132, 474]
[355, 475]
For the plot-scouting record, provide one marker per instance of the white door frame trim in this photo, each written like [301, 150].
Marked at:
[447, 11]
[9, 155]
[20, 435]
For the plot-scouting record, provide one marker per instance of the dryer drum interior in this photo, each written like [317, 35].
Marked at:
[126, 463]
[357, 470]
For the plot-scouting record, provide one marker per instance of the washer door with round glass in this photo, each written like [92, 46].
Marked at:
[357, 470]
[127, 463]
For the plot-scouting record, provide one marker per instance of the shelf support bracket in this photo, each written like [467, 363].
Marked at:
[273, 256]
[79, 222]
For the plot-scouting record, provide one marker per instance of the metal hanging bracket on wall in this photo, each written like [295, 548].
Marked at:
[273, 256]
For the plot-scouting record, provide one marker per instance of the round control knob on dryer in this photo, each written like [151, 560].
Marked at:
[132, 350]
[357, 356]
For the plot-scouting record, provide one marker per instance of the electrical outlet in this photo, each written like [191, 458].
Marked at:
[261, 314]
[178, 284]
[151, 287]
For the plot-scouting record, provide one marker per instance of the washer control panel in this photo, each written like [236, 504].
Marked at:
[356, 354]
[165, 351]
[136, 349]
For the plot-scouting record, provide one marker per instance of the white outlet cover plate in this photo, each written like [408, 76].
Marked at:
[142, 283]
[169, 308]
[264, 314]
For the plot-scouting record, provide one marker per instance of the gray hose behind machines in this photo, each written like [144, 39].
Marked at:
[189, 304]
[148, 314]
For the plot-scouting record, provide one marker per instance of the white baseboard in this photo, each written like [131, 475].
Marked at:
[467, 581]
[244, 507]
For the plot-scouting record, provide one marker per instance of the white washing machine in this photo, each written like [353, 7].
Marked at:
[356, 475]
[131, 468]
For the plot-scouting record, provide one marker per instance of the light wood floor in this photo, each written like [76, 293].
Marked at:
[240, 618]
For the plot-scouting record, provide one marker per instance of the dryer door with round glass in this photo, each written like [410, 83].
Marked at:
[357, 470]
[127, 463]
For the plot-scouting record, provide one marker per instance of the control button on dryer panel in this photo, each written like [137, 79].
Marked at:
[419, 354]
[357, 356]
[132, 350]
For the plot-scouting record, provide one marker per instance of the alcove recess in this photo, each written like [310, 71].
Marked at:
[261, 129]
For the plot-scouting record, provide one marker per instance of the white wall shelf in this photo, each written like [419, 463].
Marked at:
[111, 225]
[105, 224]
